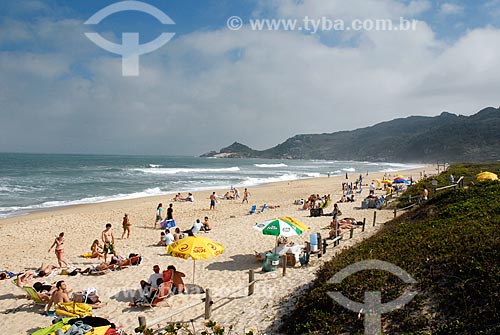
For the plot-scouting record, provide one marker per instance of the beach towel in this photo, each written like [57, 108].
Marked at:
[73, 309]
[50, 330]
[87, 255]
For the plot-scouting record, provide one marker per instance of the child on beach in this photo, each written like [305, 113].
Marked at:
[109, 241]
[59, 250]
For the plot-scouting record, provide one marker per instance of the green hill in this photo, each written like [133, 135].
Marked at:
[450, 245]
[413, 139]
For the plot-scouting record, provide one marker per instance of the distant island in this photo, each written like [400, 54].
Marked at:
[450, 137]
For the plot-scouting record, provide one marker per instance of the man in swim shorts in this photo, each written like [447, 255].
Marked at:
[109, 242]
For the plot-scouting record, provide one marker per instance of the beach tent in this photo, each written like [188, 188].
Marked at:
[483, 176]
[195, 247]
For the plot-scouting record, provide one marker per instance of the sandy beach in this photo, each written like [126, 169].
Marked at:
[26, 240]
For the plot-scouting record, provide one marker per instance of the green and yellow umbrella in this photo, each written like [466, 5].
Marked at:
[282, 226]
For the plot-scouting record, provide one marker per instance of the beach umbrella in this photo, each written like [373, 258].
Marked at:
[282, 226]
[483, 176]
[377, 182]
[195, 247]
[385, 181]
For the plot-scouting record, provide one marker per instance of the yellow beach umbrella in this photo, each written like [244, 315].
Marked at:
[399, 177]
[299, 224]
[195, 247]
[385, 181]
[377, 182]
[483, 176]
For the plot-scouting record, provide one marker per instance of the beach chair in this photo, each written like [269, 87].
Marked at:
[263, 208]
[34, 296]
[252, 210]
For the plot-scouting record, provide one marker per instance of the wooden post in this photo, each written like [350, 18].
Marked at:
[208, 304]
[284, 265]
[251, 278]
[320, 250]
[374, 218]
[364, 222]
[142, 321]
[394, 212]
[352, 232]
[324, 246]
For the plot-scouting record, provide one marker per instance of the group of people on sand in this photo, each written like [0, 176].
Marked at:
[179, 197]
[171, 235]
[169, 281]
[315, 201]
[159, 213]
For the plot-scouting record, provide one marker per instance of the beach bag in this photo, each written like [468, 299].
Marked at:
[86, 297]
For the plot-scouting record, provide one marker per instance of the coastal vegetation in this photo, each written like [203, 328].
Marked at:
[449, 244]
[450, 137]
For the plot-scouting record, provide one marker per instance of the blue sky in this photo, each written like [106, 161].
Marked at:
[210, 85]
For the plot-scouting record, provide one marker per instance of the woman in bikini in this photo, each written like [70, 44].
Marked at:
[96, 249]
[58, 243]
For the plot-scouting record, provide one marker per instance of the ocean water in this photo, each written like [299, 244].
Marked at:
[30, 182]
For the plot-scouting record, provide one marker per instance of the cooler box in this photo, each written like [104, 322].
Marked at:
[167, 224]
[313, 240]
[271, 262]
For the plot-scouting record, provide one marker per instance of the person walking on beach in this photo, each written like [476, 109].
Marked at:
[170, 212]
[58, 243]
[109, 242]
[159, 210]
[126, 226]
[246, 194]
[213, 200]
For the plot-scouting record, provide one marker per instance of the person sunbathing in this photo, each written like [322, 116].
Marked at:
[162, 241]
[59, 295]
[44, 291]
[96, 249]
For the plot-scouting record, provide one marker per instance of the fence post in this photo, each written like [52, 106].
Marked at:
[394, 212]
[251, 278]
[208, 304]
[142, 321]
[352, 232]
[284, 265]
[324, 246]
[364, 222]
[374, 218]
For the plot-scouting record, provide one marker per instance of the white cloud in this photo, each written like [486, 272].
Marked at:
[347, 10]
[451, 9]
[193, 95]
